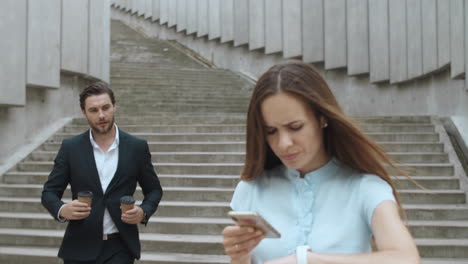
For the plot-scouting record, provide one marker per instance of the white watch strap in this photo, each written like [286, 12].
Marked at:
[301, 254]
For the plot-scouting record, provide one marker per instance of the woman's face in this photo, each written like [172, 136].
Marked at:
[294, 133]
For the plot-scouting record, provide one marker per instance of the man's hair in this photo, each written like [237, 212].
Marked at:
[96, 88]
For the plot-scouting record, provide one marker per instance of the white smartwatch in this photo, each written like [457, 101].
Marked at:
[301, 254]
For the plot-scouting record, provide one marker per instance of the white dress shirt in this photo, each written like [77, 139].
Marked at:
[106, 164]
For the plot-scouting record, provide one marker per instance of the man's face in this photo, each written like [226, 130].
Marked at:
[99, 111]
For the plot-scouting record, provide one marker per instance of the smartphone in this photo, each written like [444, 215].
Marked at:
[255, 220]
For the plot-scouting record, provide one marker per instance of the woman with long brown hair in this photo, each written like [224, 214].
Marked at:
[312, 174]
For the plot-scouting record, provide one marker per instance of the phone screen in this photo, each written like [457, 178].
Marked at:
[255, 220]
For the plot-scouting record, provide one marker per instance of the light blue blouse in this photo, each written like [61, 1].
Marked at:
[330, 209]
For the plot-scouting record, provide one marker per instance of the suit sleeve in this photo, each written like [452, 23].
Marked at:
[56, 183]
[149, 183]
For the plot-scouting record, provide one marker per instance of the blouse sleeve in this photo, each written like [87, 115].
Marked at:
[242, 198]
[374, 190]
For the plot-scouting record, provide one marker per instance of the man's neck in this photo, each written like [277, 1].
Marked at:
[104, 141]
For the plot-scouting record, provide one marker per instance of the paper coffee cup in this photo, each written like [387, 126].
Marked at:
[126, 203]
[85, 197]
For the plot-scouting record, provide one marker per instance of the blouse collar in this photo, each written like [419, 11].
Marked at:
[314, 177]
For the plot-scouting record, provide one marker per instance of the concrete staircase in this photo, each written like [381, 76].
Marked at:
[194, 120]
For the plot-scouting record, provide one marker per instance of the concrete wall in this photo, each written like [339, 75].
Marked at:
[392, 73]
[53, 49]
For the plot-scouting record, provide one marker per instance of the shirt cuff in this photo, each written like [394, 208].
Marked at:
[60, 219]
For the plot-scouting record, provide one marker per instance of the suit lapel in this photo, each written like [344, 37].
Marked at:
[122, 150]
[91, 162]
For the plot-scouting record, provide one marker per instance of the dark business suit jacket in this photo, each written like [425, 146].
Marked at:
[75, 165]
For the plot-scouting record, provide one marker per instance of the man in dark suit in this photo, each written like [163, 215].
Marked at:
[109, 163]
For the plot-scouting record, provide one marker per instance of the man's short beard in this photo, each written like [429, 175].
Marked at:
[96, 130]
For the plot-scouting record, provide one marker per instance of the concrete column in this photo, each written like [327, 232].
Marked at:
[457, 38]
[241, 22]
[191, 17]
[43, 68]
[75, 35]
[335, 34]
[156, 10]
[256, 24]
[139, 6]
[273, 26]
[414, 27]
[172, 16]
[398, 41]
[358, 36]
[429, 31]
[379, 54]
[134, 7]
[163, 11]
[443, 32]
[214, 14]
[202, 18]
[312, 31]
[292, 28]
[181, 15]
[99, 39]
[466, 51]
[227, 20]
[148, 8]
[13, 52]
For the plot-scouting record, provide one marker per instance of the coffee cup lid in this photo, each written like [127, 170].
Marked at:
[85, 194]
[127, 199]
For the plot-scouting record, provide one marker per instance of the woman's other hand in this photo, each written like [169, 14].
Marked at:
[239, 241]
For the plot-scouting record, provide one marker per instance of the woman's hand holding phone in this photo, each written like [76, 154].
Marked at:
[239, 241]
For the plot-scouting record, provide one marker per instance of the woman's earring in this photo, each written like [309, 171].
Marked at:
[325, 125]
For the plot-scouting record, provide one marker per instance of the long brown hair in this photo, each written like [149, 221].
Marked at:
[342, 138]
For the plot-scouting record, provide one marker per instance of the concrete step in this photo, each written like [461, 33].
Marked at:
[165, 137]
[213, 137]
[224, 84]
[156, 224]
[138, 72]
[448, 212]
[444, 261]
[394, 119]
[432, 196]
[169, 243]
[187, 119]
[412, 147]
[240, 146]
[181, 86]
[212, 194]
[439, 229]
[209, 194]
[44, 255]
[170, 106]
[428, 182]
[172, 180]
[172, 76]
[443, 248]
[235, 168]
[20, 179]
[161, 91]
[165, 209]
[199, 128]
[162, 168]
[239, 157]
[144, 100]
[141, 68]
[223, 128]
